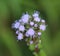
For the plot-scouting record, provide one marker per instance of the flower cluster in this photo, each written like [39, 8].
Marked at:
[29, 28]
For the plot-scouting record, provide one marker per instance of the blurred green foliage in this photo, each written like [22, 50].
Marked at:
[11, 10]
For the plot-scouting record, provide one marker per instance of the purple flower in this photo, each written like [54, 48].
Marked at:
[42, 27]
[39, 33]
[25, 18]
[43, 21]
[35, 25]
[21, 28]
[20, 36]
[36, 14]
[31, 42]
[37, 19]
[31, 23]
[17, 32]
[27, 35]
[30, 32]
[15, 25]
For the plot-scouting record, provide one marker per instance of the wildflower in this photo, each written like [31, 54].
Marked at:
[21, 28]
[31, 42]
[39, 33]
[17, 32]
[15, 25]
[31, 23]
[36, 14]
[30, 32]
[20, 36]
[20, 20]
[35, 25]
[25, 18]
[42, 27]
[28, 28]
[43, 21]
[26, 34]
[37, 19]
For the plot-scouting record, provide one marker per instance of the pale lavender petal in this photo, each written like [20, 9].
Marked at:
[17, 32]
[31, 42]
[37, 19]
[20, 36]
[31, 32]
[43, 21]
[21, 28]
[39, 33]
[26, 34]
[25, 18]
[36, 14]
[15, 25]
[42, 27]
[31, 23]
[35, 25]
